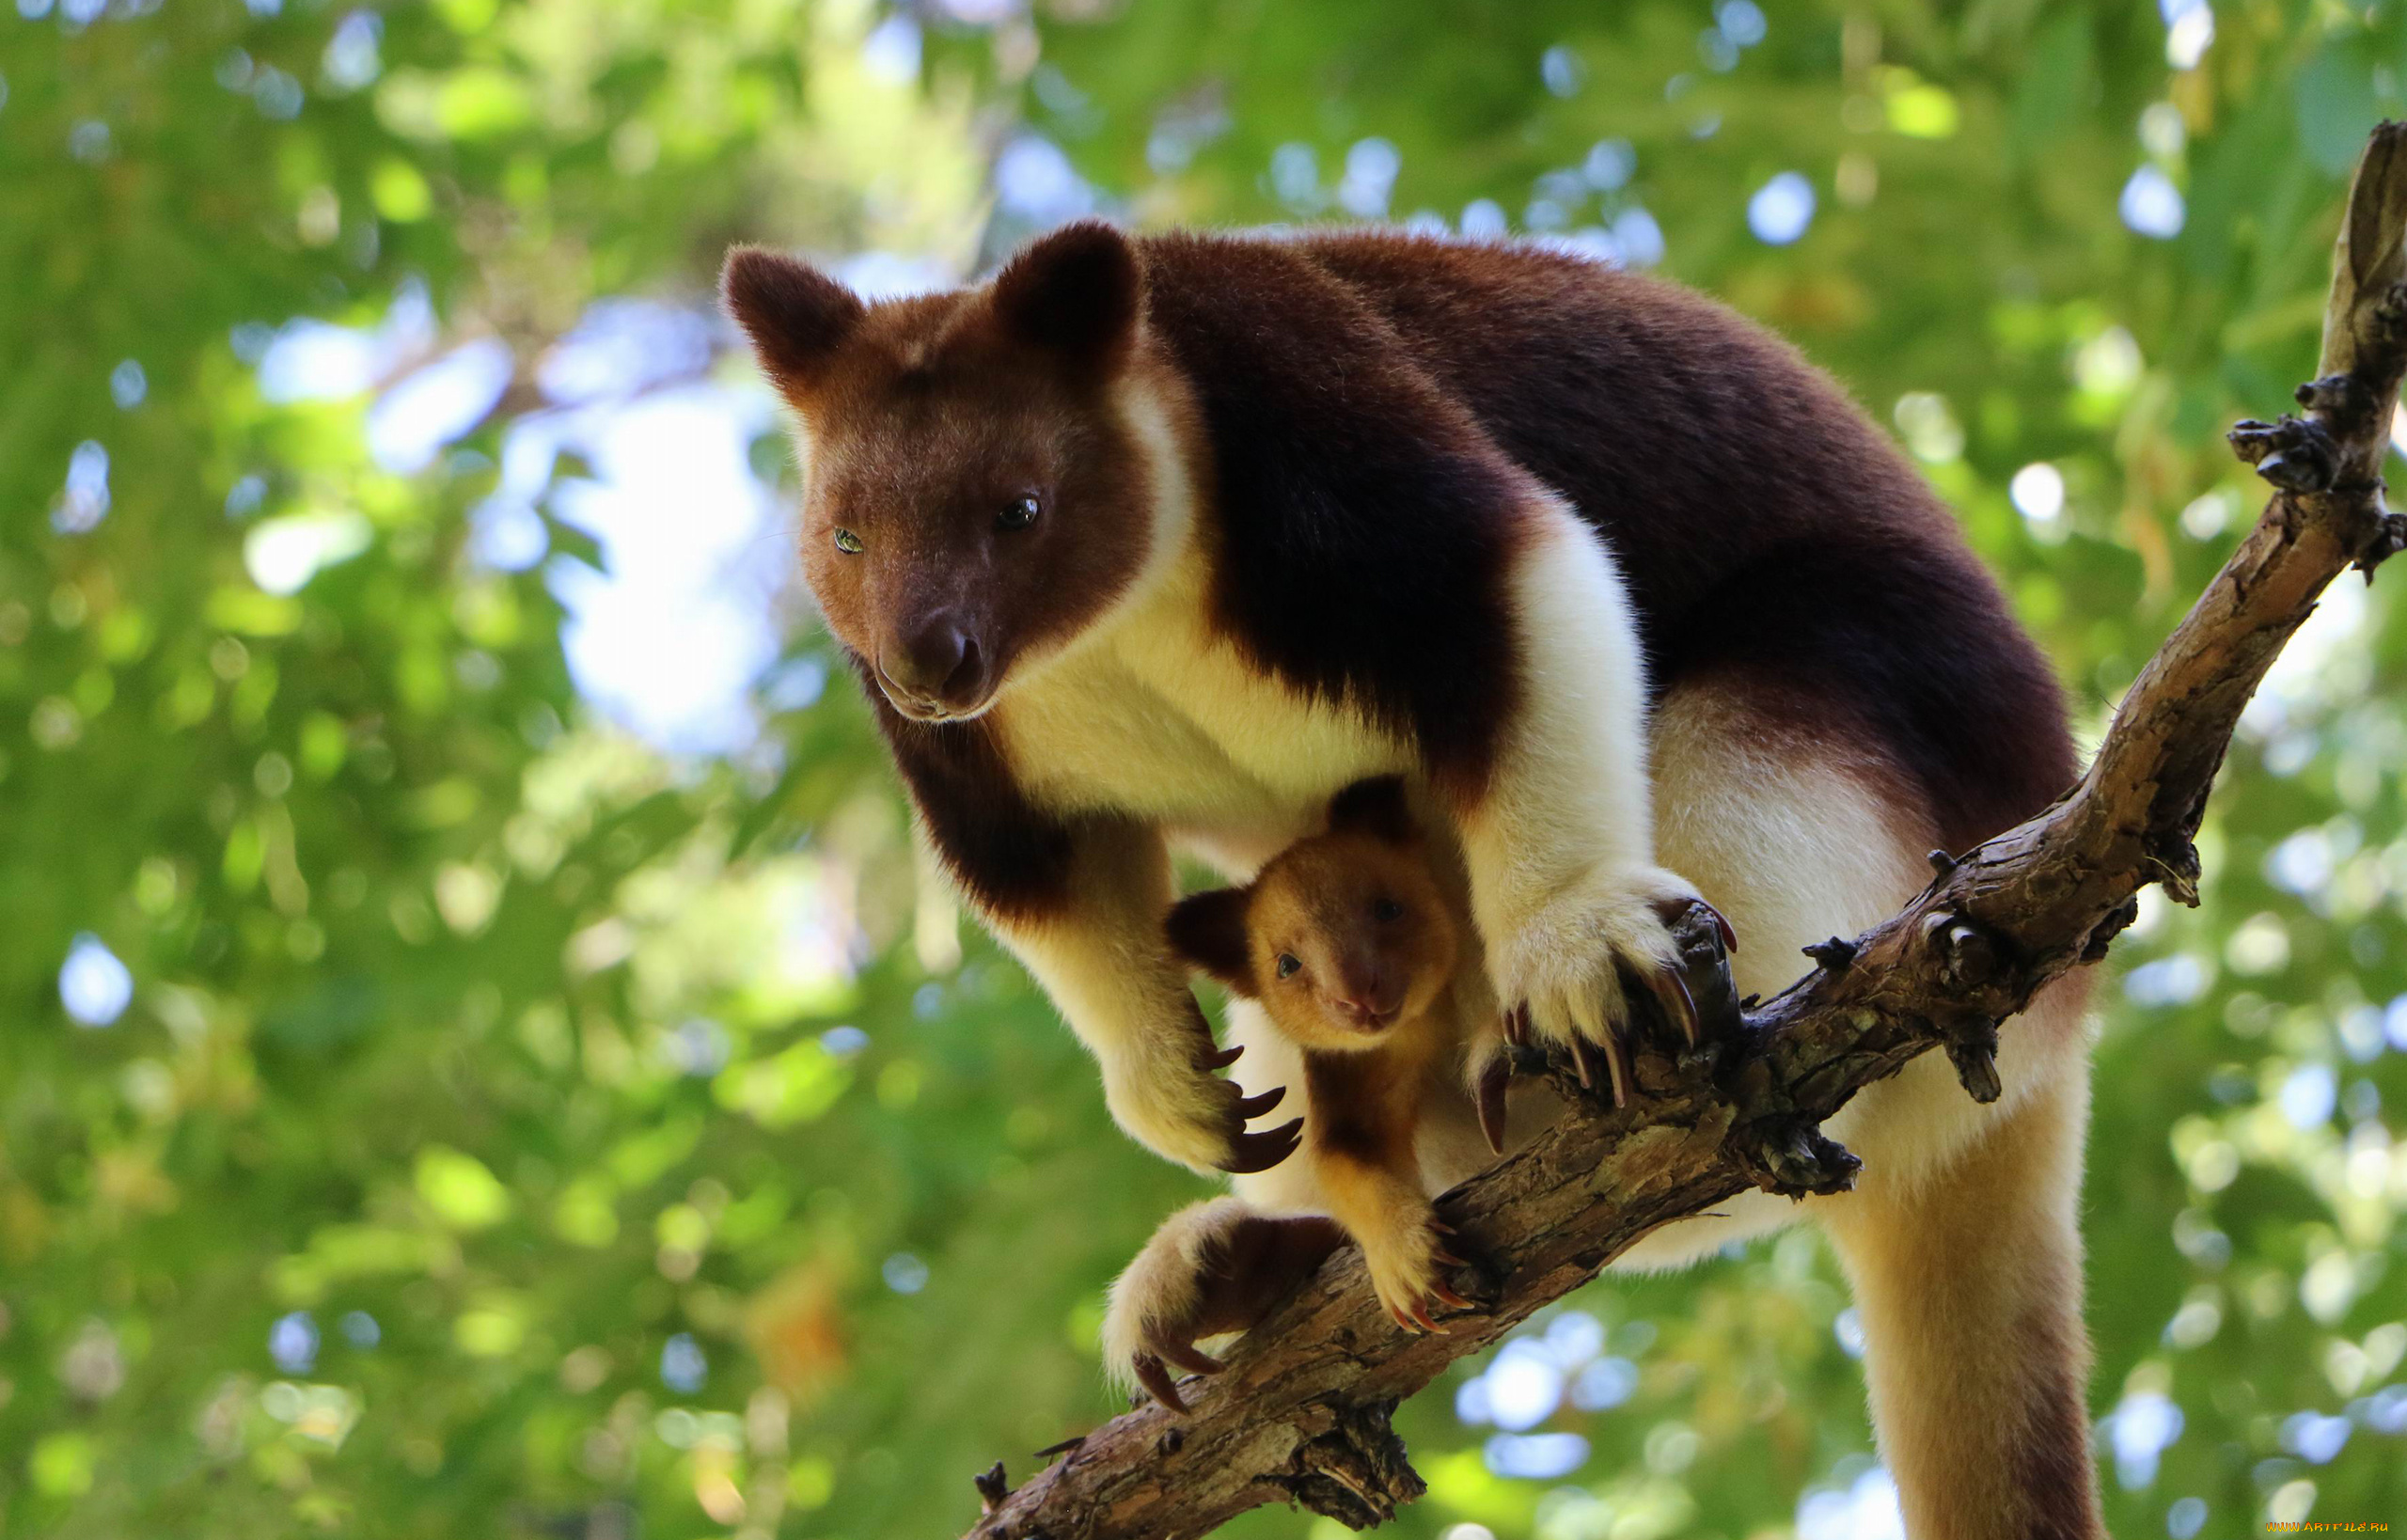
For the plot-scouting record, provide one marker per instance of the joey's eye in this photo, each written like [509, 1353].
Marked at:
[848, 543]
[1018, 514]
[1287, 964]
[1386, 910]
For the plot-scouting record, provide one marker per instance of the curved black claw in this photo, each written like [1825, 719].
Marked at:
[1157, 1381]
[1617, 1063]
[1220, 1059]
[1489, 1095]
[1671, 992]
[1259, 1152]
[1188, 1356]
[1152, 1372]
[1617, 1075]
[1250, 1107]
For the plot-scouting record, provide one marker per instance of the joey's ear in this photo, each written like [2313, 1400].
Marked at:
[1208, 932]
[1375, 808]
[795, 315]
[1075, 292]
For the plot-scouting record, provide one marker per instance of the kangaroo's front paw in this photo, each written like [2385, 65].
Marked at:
[1212, 1268]
[1572, 964]
[1184, 1109]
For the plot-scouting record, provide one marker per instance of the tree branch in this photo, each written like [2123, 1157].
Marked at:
[1300, 1415]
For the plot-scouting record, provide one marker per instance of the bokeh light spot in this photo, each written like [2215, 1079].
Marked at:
[93, 986]
[1782, 209]
[2189, 30]
[85, 501]
[2151, 205]
[292, 1342]
[1741, 22]
[683, 1366]
[2038, 492]
[1536, 1456]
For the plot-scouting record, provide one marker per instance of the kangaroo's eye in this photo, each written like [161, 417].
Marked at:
[1387, 910]
[848, 543]
[1287, 964]
[1018, 514]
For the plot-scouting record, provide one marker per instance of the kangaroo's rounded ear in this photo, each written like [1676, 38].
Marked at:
[1375, 807]
[1208, 932]
[1076, 292]
[795, 315]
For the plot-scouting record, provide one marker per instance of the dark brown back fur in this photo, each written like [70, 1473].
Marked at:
[1759, 520]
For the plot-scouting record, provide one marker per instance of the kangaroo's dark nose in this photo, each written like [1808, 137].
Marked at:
[939, 667]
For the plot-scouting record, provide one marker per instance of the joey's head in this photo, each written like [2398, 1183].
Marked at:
[976, 491]
[1342, 937]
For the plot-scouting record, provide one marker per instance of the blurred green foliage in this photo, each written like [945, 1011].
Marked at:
[430, 1107]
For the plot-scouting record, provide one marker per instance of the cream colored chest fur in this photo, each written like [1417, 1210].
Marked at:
[1159, 718]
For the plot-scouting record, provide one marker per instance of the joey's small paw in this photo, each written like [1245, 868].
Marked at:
[1189, 1112]
[1407, 1266]
[1579, 961]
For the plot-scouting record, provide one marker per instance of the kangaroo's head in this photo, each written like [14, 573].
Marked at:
[979, 480]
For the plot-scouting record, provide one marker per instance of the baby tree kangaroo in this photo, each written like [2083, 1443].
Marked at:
[1348, 948]
[1344, 942]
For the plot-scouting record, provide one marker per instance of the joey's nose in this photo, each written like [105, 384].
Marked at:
[939, 665]
[1365, 1001]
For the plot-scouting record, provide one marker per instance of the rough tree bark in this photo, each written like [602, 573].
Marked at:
[1301, 1413]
